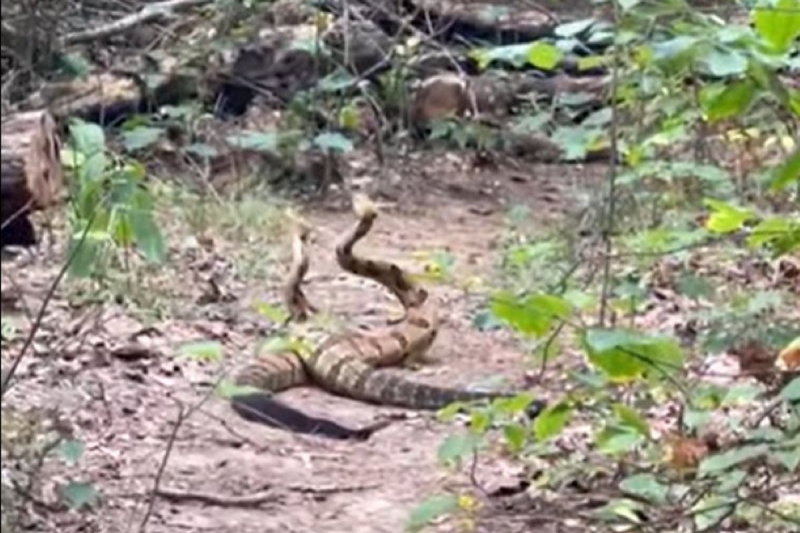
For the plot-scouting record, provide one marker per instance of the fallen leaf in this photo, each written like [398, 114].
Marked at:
[789, 358]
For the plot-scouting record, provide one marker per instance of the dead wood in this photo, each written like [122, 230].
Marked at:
[452, 22]
[446, 95]
[148, 13]
[246, 500]
[251, 500]
[272, 69]
[32, 177]
[110, 97]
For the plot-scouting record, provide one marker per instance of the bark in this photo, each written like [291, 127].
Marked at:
[32, 177]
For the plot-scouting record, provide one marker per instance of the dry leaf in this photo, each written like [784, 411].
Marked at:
[789, 358]
[684, 453]
[755, 360]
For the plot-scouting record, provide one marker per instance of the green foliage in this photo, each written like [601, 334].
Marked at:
[71, 451]
[704, 218]
[465, 135]
[334, 142]
[202, 350]
[79, 494]
[788, 172]
[626, 355]
[431, 509]
[111, 206]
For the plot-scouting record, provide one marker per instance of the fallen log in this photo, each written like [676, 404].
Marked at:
[30, 172]
[109, 98]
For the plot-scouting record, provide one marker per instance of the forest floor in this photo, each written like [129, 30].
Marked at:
[112, 367]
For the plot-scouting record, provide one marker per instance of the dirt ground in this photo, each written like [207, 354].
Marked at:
[124, 403]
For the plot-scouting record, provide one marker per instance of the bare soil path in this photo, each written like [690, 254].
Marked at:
[124, 406]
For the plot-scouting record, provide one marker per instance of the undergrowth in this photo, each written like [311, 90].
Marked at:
[679, 266]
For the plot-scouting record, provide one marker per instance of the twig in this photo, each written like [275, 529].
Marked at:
[250, 500]
[161, 467]
[766, 411]
[612, 177]
[246, 500]
[40, 317]
[148, 13]
[183, 414]
[224, 423]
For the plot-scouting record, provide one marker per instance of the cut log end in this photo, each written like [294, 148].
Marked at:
[31, 172]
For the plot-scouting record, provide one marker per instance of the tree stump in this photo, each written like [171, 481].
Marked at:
[31, 173]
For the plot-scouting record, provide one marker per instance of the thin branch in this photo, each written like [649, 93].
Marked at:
[49, 296]
[612, 174]
[148, 13]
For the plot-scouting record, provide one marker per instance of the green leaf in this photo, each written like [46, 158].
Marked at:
[730, 481]
[202, 350]
[274, 314]
[86, 253]
[479, 420]
[485, 320]
[791, 392]
[74, 64]
[140, 137]
[631, 419]
[725, 218]
[544, 56]
[630, 511]
[601, 117]
[93, 168]
[725, 62]
[449, 412]
[147, 235]
[430, 510]
[87, 138]
[729, 101]
[590, 62]
[790, 459]
[456, 446]
[202, 150]
[79, 494]
[590, 379]
[71, 159]
[787, 172]
[673, 48]
[513, 405]
[335, 142]
[742, 394]
[709, 512]
[645, 486]
[227, 389]
[694, 286]
[778, 24]
[254, 140]
[515, 54]
[571, 29]
[764, 301]
[627, 5]
[534, 315]
[625, 355]
[693, 419]
[574, 140]
[515, 435]
[728, 459]
[281, 344]
[769, 231]
[349, 118]
[71, 451]
[551, 421]
[614, 440]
